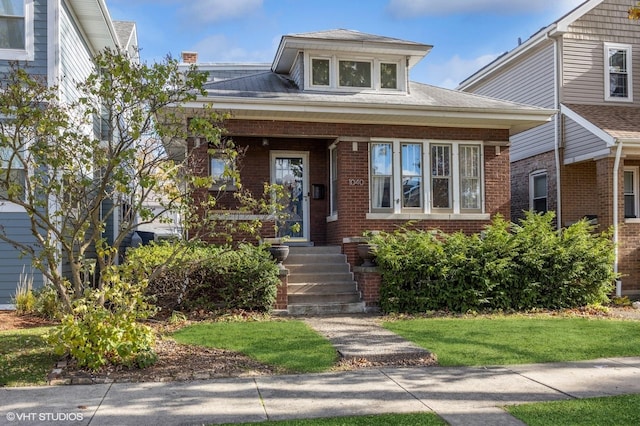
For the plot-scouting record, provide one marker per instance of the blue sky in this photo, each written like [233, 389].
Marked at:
[465, 34]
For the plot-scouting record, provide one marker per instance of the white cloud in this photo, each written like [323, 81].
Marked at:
[417, 8]
[209, 11]
[219, 48]
[450, 73]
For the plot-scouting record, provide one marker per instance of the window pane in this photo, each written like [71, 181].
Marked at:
[320, 72]
[628, 182]
[217, 168]
[354, 74]
[13, 180]
[540, 205]
[381, 170]
[618, 76]
[440, 176]
[12, 33]
[629, 206]
[617, 60]
[411, 175]
[540, 186]
[12, 7]
[389, 76]
[470, 177]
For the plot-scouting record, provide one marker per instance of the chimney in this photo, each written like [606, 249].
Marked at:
[189, 57]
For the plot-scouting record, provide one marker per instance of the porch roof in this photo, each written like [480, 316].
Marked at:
[620, 122]
[269, 95]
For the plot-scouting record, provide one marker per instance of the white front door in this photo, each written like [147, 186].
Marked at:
[290, 169]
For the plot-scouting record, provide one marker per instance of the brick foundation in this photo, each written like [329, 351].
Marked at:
[282, 296]
[369, 281]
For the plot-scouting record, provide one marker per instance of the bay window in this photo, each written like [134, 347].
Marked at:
[451, 183]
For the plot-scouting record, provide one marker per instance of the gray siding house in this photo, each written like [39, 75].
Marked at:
[586, 162]
[56, 40]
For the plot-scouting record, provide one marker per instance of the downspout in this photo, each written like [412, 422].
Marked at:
[616, 184]
[556, 94]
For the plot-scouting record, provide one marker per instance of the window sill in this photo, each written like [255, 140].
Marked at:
[428, 216]
[332, 218]
[223, 188]
[7, 207]
[632, 220]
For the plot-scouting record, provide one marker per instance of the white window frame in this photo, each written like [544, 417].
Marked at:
[532, 195]
[222, 184]
[26, 54]
[334, 80]
[426, 211]
[333, 180]
[636, 199]
[607, 72]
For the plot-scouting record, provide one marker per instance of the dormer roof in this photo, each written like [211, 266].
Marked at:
[341, 40]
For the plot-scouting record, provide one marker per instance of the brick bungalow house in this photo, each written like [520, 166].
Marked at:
[361, 147]
[586, 161]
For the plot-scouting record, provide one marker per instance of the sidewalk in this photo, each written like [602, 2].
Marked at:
[461, 396]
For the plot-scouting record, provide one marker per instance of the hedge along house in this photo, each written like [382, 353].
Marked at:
[359, 146]
[55, 40]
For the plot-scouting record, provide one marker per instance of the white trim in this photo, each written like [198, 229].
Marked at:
[53, 42]
[607, 72]
[332, 218]
[636, 195]
[591, 156]
[532, 177]
[577, 13]
[580, 120]
[26, 54]
[428, 216]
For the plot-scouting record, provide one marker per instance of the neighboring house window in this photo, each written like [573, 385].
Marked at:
[16, 29]
[412, 190]
[12, 174]
[538, 191]
[631, 192]
[221, 166]
[452, 182]
[388, 76]
[354, 74]
[618, 76]
[334, 179]
[381, 176]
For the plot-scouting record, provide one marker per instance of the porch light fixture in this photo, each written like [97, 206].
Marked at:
[265, 142]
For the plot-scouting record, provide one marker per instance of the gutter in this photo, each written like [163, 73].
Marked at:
[556, 95]
[616, 185]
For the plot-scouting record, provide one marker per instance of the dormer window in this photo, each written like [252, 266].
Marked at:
[320, 70]
[343, 73]
[388, 76]
[354, 74]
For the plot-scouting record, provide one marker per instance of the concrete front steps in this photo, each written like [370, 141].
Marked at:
[321, 282]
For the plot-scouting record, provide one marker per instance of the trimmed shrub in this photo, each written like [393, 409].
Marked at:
[196, 276]
[506, 267]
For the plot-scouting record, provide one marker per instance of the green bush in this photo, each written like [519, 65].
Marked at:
[104, 329]
[200, 276]
[506, 267]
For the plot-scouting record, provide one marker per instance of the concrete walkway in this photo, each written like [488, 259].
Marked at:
[461, 396]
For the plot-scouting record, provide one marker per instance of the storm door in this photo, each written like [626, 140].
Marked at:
[290, 169]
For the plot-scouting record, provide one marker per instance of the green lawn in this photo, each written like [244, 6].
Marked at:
[25, 358]
[291, 345]
[614, 410]
[412, 419]
[499, 340]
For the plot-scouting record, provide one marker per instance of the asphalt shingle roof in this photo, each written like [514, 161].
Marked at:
[618, 121]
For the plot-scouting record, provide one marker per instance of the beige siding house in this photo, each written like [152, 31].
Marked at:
[586, 163]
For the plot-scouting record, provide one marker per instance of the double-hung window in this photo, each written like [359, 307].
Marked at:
[631, 192]
[618, 80]
[12, 175]
[538, 191]
[16, 29]
[422, 177]
[221, 170]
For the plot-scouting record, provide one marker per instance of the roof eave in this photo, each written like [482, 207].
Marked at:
[515, 120]
[97, 24]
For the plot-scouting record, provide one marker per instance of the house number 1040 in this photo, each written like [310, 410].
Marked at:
[356, 182]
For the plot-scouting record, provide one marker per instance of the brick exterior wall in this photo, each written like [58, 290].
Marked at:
[520, 191]
[578, 184]
[369, 281]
